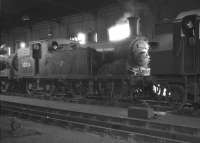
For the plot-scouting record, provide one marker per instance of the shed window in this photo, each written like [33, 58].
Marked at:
[119, 32]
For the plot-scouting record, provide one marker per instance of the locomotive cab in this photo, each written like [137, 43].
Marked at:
[3, 55]
[5, 67]
[187, 42]
[178, 52]
[5, 59]
[178, 57]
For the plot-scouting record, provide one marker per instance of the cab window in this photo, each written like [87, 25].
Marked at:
[53, 46]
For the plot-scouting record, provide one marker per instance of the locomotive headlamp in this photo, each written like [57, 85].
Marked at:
[22, 44]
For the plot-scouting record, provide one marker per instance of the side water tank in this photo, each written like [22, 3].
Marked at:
[3, 65]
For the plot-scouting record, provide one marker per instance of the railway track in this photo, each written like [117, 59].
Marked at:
[156, 105]
[123, 127]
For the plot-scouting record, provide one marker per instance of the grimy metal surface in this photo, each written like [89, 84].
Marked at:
[97, 123]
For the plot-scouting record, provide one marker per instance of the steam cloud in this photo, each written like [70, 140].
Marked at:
[135, 7]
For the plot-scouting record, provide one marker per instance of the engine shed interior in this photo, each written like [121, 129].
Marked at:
[117, 51]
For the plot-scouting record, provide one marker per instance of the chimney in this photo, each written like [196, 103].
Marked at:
[134, 23]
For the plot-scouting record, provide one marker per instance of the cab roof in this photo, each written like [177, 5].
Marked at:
[186, 13]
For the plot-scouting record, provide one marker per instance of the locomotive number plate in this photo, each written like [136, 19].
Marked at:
[26, 64]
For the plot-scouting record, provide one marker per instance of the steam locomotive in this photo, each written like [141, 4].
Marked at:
[60, 67]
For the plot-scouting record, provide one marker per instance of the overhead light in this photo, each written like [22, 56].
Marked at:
[2, 46]
[95, 37]
[81, 38]
[22, 44]
[9, 51]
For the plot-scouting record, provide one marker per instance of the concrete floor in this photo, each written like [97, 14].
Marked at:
[32, 132]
